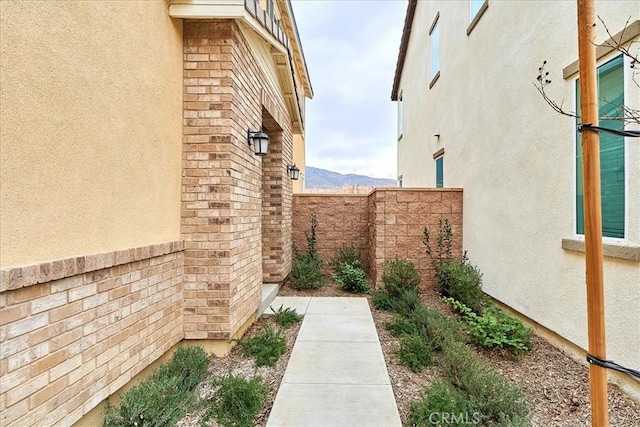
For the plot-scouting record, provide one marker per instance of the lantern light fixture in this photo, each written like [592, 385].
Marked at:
[293, 171]
[259, 140]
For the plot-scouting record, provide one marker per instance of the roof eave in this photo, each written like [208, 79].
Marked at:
[404, 43]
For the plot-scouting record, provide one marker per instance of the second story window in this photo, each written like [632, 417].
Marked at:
[434, 35]
[476, 5]
[400, 112]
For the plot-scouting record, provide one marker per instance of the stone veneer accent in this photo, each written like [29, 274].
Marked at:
[69, 342]
[236, 207]
[386, 224]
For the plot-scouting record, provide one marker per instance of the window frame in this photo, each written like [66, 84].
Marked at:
[475, 18]
[438, 155]
[606, 239]
[400, 117]
[434, 41]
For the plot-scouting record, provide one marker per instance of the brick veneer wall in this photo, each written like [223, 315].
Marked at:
[70, 339]
[386, 224]
[235, 205]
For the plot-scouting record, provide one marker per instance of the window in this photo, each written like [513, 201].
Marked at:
[434, 34]
[400, 181]
[440, 172]
[612, 152]
[400, 106]
[476, 5]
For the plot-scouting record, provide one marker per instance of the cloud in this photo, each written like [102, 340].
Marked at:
[351, 49]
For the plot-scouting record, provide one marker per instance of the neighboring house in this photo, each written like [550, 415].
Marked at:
[470, 116]
[133, 212]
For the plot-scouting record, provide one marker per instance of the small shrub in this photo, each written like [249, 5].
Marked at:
[306, 273]
[464, 283]
[399, 275]
[401, 326]
[437, 328]
[415, 353]
[382, 300]
[405, 302]
[345, 255]
[495, 328]
[236, 401]
[441, 398]
[442, 252]
[491, 395]
[286, 317]
[266, 346]
[164, 397]
[352, 278]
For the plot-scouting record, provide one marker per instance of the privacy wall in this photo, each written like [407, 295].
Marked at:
[386, 224]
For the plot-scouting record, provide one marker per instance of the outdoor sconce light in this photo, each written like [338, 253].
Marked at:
[293, 171]
[259, 140]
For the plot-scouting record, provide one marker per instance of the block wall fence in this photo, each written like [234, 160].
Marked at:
[386, 224]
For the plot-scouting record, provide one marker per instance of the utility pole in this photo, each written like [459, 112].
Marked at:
[592, 210]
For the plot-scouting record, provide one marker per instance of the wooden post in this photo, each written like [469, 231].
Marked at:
[592, 210]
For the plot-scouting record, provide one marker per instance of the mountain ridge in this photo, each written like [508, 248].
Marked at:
[323, 178]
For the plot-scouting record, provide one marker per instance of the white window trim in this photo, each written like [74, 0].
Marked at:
[434, 74]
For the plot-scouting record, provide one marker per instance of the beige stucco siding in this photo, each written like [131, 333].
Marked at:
[91, 116]
[515, 157]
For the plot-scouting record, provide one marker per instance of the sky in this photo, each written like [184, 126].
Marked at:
[351, 49]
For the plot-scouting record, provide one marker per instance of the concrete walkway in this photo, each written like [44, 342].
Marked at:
[336, 375]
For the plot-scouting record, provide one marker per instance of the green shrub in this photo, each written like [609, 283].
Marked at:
[415, 353]
[306, 273]
[405, 302]
[166, 396]
[491, 395]
[441, 398]
[236, 402]
[437, 328]
[399, 275]
[401, 326]
[286, 317]
[352, 278]
[442, 252]
[463, 283]
[345, 255]
[382, 300]
[266, 346]
[495, 328]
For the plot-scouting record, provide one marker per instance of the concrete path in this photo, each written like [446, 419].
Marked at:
[336, 375]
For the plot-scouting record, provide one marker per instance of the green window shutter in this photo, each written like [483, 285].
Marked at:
[440, 172]
[612, 171]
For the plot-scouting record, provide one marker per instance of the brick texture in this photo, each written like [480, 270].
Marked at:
[67, 344]
[236, 207]
[386, 224]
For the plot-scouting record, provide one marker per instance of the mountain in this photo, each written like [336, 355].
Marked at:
[322, 178]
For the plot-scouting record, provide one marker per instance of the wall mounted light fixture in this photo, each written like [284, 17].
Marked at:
[293, 171]
[259, 140]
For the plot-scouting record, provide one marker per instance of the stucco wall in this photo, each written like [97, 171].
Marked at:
[90, 128]
[515, 158]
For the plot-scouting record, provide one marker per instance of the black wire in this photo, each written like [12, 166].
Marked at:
[612, 365]
[629, 133]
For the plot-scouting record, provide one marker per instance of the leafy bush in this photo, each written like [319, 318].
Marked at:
[401, 326]
[442, 252]
[399, 275]
[463, 283]
[495, 328]
[491, 395]
[405, 302]
[382, 300]
[441, 398]
[286, 317]
[415, 353]
[306, 272]
[266, 346]
[163, 398]
[352, 278]
[346, 255]
[437, 328]
[236, 401]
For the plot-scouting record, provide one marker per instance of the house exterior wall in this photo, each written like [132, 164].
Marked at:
[236, 210]
[82, 332]
[515, 157]
[386, 224]
[90, 158]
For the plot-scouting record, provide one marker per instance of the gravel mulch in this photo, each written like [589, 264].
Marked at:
[556, 385]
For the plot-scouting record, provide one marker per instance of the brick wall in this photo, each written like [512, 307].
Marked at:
[70, 337]
[386, 224]
[236, 210]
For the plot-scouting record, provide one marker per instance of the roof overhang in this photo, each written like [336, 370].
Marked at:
[404, 43]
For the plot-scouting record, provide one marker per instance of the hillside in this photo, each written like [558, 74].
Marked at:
[322, 178]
